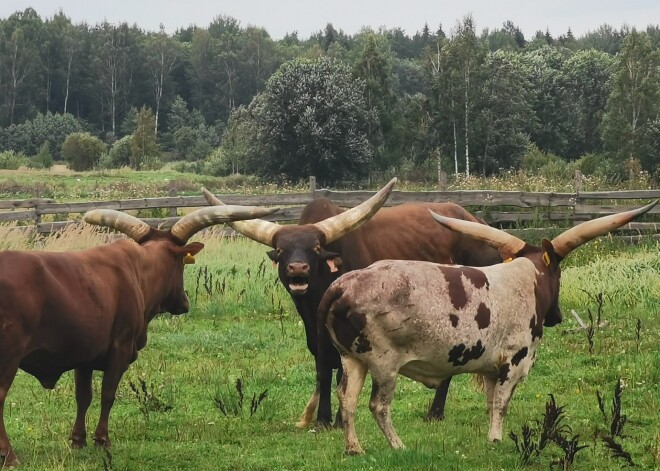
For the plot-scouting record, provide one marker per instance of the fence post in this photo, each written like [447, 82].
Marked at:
[171, 193]
[578, 182]
[312, 186]
[37, 208]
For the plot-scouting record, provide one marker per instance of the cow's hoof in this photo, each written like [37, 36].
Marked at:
[434, 417]
[323, 424]
[78, 442]
[338, 424]
[8, 460]
[102, 442]
[354, 451]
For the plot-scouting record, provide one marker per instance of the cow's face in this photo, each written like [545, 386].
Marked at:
[175, 300]
[301, 259]
[551, 260]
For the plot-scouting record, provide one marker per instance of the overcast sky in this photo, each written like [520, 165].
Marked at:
[309, 16]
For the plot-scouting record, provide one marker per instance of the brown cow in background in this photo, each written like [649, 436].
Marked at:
[89, 310]
[329, 241]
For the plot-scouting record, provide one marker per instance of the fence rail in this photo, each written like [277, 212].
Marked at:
[503, 208]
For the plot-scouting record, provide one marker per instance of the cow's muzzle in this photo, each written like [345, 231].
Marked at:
[298, 278]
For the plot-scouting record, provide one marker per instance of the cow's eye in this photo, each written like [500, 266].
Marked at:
[317, 249]
[279, 251]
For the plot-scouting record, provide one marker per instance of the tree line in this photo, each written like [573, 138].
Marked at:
[225, 98]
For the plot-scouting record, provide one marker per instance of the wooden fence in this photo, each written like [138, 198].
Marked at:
[500, 208]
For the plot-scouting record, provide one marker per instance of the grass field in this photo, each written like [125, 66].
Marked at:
[242, 325]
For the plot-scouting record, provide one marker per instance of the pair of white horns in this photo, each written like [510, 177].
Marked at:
[332, 228]
[563, 244]
[184, 228]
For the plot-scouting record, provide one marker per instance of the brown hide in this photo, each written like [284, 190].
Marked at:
[86, 311]
[405, 232]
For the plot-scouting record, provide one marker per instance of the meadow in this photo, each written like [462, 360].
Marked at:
[178, 406]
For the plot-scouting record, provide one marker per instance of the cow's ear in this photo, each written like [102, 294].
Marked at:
[549, 256]
[189, 251]
[332, 259]
[334, 263]
[273, 255]
[193, 248]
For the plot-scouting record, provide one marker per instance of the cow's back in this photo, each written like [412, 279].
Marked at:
[408, 232]
[445, 318]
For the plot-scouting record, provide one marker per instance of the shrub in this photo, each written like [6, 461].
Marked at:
[120, 153]
[43, 159]
[10, 160]
[82, 151]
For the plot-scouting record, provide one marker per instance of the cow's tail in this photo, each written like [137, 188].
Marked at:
[332, 294]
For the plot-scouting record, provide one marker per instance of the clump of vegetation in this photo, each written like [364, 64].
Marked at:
[11, 160]
[550, 429]
[149, 399]
[82, 151]
[231, 401]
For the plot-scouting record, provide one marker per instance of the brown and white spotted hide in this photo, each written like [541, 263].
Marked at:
[428, 322]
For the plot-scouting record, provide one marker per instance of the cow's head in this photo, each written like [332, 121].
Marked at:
[300, 252]
[301, 258]
[168, 251]
[548, 256]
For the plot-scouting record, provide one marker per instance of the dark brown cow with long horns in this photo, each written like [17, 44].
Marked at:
[429, 321]
[89, 310]
[329, 241]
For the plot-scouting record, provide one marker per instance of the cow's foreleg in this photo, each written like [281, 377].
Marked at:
[437, 409]
[83, 379]
[382, 393]
[113, 373]
[349, 391]
[7, 374]
[509, 377]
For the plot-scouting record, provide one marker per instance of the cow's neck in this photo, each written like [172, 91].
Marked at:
[155, 263]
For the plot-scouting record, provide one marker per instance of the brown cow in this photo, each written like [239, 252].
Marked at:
[329, 241]
[89, 310]
[429, 321]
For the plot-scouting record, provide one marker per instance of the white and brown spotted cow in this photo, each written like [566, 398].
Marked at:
[429, 321]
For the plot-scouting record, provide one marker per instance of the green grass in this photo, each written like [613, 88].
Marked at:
[243, 325]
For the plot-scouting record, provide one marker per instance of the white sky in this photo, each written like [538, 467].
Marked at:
[308, 16]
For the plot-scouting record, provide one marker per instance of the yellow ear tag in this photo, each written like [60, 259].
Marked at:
[546, 259]
[189, 259]
[508, 260]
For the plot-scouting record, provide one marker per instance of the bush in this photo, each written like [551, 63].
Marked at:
[82, 151]
[43, 159]
[10, 160]
[120, 153]
[28, 137]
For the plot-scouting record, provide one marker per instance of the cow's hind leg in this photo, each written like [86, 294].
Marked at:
[7, 374]
[83, 379]
[338, 421]
[382, 393]
[349, 391]
[437, 409]
[310, 408]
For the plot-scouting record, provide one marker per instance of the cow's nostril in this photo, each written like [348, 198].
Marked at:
[304, 267]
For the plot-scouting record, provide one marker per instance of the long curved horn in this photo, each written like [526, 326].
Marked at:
[194, 222]
[118, 220]
[569, 240]
[256, 229]
[506, 243]
[337, 226]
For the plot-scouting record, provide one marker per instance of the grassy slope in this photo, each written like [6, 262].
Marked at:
[242, 325]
